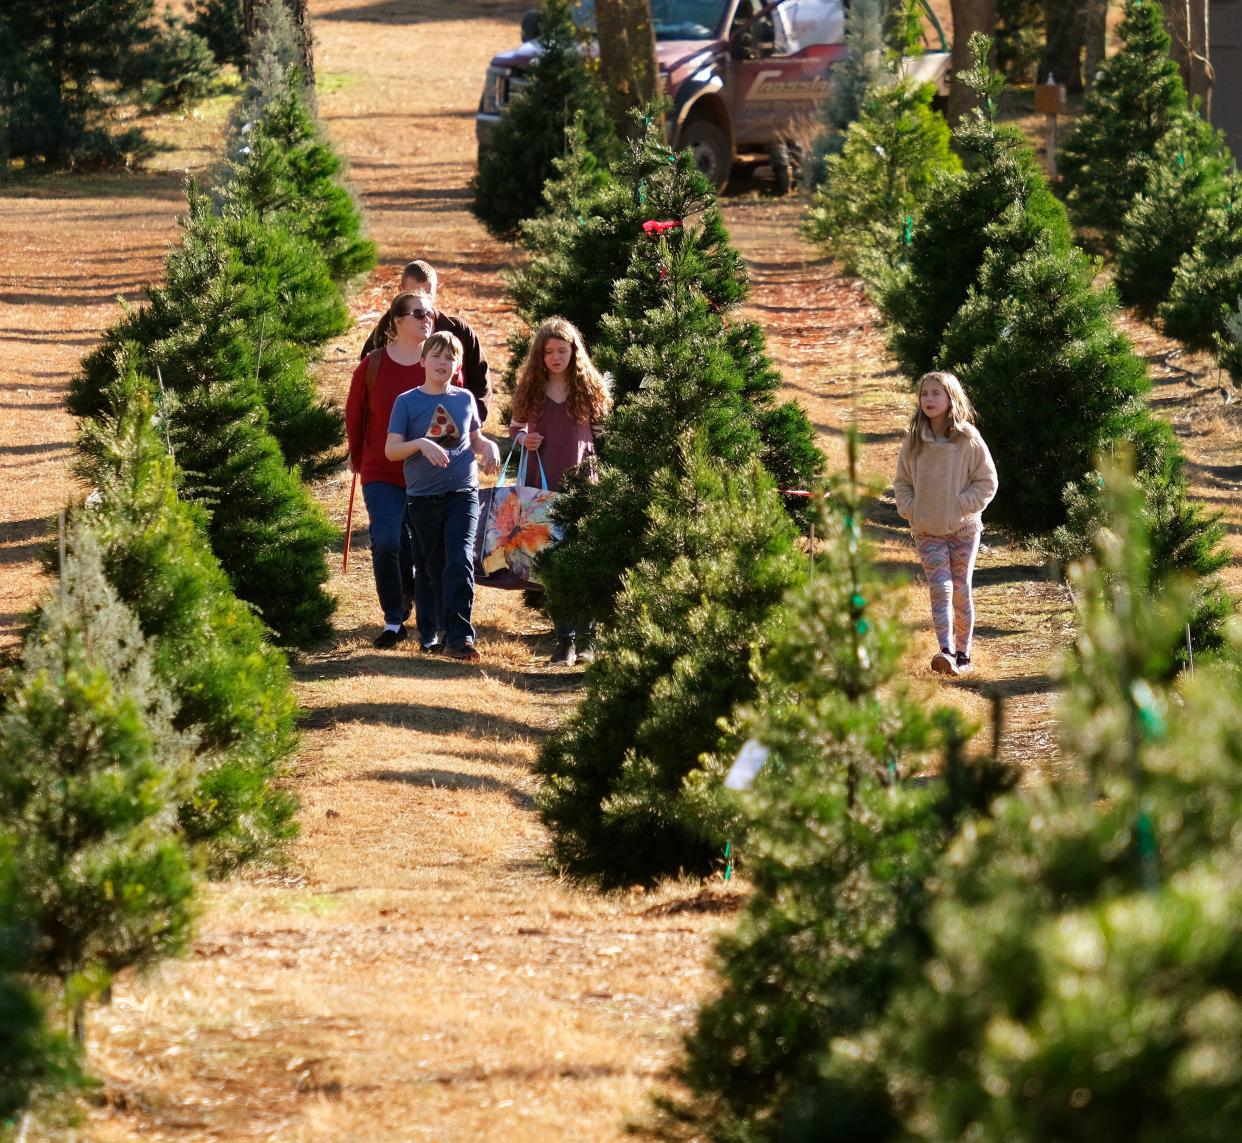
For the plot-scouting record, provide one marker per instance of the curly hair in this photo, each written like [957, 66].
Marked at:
[587, 399]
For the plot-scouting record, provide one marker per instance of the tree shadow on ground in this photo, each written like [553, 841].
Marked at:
[436, 779]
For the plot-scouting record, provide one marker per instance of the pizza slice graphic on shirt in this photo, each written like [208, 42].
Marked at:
[444, 430]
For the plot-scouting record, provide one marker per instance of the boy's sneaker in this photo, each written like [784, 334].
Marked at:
[387, 639]
[432, 648]
[944, 663]
[963, 662]
[564, 655]
[467, 652]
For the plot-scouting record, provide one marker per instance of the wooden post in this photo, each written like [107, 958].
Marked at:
[1050, 102]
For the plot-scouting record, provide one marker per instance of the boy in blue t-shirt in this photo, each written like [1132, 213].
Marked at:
[435, 430]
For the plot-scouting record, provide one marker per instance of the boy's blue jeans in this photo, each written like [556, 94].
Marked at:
[392, 549]
[444, 527]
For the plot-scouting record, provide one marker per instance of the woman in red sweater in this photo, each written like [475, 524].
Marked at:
[411, 319]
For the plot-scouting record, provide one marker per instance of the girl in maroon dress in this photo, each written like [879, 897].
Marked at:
[559, 401]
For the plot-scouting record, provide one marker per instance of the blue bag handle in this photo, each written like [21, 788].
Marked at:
[504, 468]
[521, 473]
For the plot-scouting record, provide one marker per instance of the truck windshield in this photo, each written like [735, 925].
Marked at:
[673, 19]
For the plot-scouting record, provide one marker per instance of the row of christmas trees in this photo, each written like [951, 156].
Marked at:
[927, 957]
[972, 261]
[148, 723]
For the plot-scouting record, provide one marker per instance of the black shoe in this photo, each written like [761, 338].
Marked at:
[963, 662]
[564, 655]
[387, 639]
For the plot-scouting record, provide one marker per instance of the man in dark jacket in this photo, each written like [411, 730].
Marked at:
[420, 277]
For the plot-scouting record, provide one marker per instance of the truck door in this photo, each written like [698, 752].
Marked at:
[780, 57]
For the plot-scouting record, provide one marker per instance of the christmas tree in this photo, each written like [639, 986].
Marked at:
[231, 689]
[64, 64]
[1208, 281]
[999, 204]
[241, 302]
[1084, 947]
[868, 67]
[94, 769]
[677, 368]
[1051, 380]
[887, 169]
[1134, 102]
[839, 844]
[284, 172]
[265, 530]
[562, 83]
[717, 558]
[1229, 345]
[1186, 180]
[34, 1060]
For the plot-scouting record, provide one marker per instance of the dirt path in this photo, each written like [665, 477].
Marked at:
[417, 973]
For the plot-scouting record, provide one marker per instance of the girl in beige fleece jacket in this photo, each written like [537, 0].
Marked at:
[945, 478]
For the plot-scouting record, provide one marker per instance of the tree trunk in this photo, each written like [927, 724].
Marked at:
[627, 58]
[1065, 29]
[301, 20]
[1187, 22]
[969, 16]
[1095, 30]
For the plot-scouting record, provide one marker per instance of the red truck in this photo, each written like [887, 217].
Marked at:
[746, 77]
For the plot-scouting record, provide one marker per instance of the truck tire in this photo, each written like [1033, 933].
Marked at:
[710, 148]
[782, 169]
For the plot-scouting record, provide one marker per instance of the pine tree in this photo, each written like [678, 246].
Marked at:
[94, 767]
[839, 845]
[1186, 180]
[1208, 281]
[1185, 540]
[1084, 950]
[1000, 203]
[63, 63]
[1106, 159]
[884, 174]
[866, 69]
[241, 303]
[1052, 381]
[1229, 345]
[34, 1060]
[284, 172]
[267, 533]
[231, 689]
[718, 559]
[561, 83]
[676, 369]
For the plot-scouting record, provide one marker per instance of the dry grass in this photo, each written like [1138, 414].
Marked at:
[416, 972]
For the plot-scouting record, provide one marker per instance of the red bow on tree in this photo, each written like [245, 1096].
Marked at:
[654, 228]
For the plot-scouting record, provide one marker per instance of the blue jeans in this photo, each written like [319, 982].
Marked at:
[392, 549]
[444, 527]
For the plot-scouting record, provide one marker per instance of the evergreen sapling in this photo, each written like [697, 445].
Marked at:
[1084, 947]
[561, 83]
[1135, 101]
[878, 183]
[1186, 180]
[1001, 184]
[94, 769]
[230, 688]
[718, 557]
[839, 846]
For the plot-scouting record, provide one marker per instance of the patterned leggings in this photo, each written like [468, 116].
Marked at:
[949, 563]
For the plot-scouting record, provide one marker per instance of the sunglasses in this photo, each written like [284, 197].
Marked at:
[420, 314]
